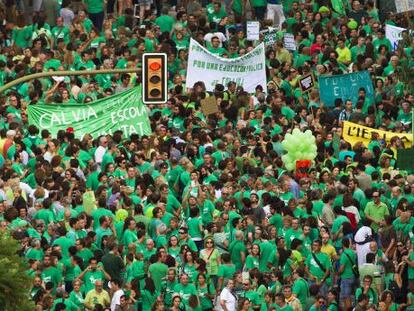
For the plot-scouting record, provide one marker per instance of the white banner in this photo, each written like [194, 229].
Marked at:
[252, 30]
[393, 33]
[404, 5]
[247, 71]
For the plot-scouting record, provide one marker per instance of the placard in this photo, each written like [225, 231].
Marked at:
[354, 133]
[253, 30]
[270, 37]
[209, 106]
[394, 34]
[247, 71]
[289, 42]
[404, 5]
[307, 83]
[123, 111]
[345, 87]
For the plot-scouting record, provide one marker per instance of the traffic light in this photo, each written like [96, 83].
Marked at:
[154, 78]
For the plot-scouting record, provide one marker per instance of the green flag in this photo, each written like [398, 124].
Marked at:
[338, 7]
[124, 111]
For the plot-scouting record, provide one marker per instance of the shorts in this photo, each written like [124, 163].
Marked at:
[347, 288]
[144, 2]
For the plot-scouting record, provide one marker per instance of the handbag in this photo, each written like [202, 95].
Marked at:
[354, 267]
[319, 263]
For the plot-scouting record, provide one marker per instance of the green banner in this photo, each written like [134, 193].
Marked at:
[124, 111]
[345, 86]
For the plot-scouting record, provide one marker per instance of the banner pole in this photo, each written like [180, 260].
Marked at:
[412, 126]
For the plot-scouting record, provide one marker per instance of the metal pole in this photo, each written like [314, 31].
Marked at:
[65, 73]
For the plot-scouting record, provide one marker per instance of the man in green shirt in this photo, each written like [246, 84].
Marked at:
[215, 47]
[158, 270]
[96, 12]
[367, 290]
[300, 287]
[93, 273]
[318, 267]
[281, 303]
[50, 274]
[165, 21]
[237, 250]
[376, 211]
[347, 273]
[184, 289]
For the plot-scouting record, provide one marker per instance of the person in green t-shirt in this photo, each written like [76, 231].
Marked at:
[184, 289]
[347, 263]
[300, 287]
[318, 267]
[96, 12]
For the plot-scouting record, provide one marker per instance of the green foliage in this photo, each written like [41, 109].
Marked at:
[15, 283]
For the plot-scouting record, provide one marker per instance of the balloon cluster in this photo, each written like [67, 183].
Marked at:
[299, 146]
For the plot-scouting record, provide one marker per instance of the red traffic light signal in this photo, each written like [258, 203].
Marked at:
[154, 78]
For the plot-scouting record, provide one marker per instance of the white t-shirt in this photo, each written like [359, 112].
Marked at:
[352, 209]
[220, 35]
[229, 299]
[116, 299]
[99, 153]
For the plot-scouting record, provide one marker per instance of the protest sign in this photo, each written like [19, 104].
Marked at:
[270, 37]
[209, 106]
[307, 83]
[394, 33]
[289, 42]
[404, 6]
[247, 71]
[252, 30]
[124, 111]
[345, 87]
[353, 133]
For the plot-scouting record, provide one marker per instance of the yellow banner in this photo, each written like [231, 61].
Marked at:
[354, 133]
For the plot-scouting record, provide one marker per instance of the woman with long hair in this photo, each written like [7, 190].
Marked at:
[149, 294]
[206, 292]
[211, 256]
[253, 260]
[188, 265]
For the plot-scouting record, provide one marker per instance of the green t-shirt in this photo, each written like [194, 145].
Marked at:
[346, 262]
[411, 269]
[185, 291]
[158, 271]
[51, 274]
[165, 22]
[300, 288]
[252, 262]
[94, 6]
[235, 248]
[313, 266]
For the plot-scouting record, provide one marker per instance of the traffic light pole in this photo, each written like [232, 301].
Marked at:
[65, 73]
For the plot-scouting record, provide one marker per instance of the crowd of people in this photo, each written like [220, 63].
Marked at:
[202, 214]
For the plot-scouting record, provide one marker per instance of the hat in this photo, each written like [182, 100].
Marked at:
[352, 24]
[70, 130]
[324, 9]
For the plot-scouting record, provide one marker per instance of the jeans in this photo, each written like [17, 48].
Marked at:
[260, 12]
[97, 19]
[110, 5]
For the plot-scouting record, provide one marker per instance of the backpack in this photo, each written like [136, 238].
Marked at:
[396, 291]
[352, 220]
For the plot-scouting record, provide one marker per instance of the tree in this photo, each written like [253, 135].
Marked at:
[15, 283]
